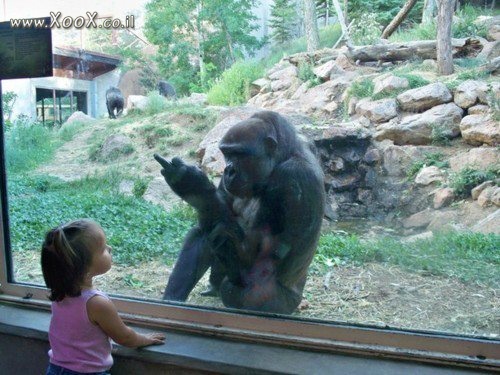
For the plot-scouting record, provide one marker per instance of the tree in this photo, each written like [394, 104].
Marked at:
[283, 21]
[194, 35]
[398, 19]
[311, 25]
[324, 10]
[444, 53]
[429, 11]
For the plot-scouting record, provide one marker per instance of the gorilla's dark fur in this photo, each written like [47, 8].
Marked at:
[167, 90]
[258, 230]
[114, 101]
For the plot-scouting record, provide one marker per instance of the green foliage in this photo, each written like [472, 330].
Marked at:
[435, 159]
[8, 101]
[140, 187]
[440, 134]
[283, 21]
[28, 144]
[328, 36]
[68, 131]
[465, 27]
[384, 10]
[155, 103]
[419, 31]
[233, 86]
[361, 89]
[306, 74]
[137, 230]
[470, 257]
[365, 29]
[465, 180]
[218, 31]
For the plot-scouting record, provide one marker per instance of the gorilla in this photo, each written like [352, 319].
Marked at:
[167, 90]
[114, 100]
[258, 230]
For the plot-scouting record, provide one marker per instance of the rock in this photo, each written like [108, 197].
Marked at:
[377, 111]
[428, 175]
[469, 93]
[261, 85]
[126, 187]
[318, 97]
[419, 129]
[418, 237]
[114, 146]
[388, 83]
[343, 62]
[490, 51]
[423, 98]
[300, 91]
[196, 99]
[284, 84]
[398, 159]
[490, 224]
[324, 71]
[372, 156]
[158, 192]
[430, 64]
[443, 197]
[353, 130]
[480, 129]
[283, 78]
[351, 106]
[419, 220]
[212, 160]
[475, 192]
[443, 220]
[335, 164]
[78, 116]
[479, 109]
[489, 196]
[477, 158]
[137, 102]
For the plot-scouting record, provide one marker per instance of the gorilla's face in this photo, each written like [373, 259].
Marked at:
[249, 154]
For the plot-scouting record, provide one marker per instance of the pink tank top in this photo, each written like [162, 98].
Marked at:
[76, 343]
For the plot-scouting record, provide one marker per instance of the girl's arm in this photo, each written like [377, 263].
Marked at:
[103, 313]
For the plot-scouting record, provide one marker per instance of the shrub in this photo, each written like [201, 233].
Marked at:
[465, 180]
[306, 74]
[68, 131]
[155, 104]
[361, 89]
[365, 29]
[140, 187]
[233, 86]
[28, 145]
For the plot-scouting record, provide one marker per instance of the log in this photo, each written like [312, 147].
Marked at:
[423, 49]
[400, 17]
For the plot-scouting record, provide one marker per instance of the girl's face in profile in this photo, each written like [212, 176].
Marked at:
[101, 253]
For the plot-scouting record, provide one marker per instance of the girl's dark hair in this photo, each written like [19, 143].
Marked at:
[66, 257]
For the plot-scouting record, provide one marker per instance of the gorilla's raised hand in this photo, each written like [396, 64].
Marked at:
[187, 181]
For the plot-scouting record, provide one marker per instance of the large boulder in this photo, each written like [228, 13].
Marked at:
[398, 159]
[477, 158]
[429, 175]
[114, 146]
[420, 129]
[470, 92]
[284, 78]
[423, 98]
[137, 102]
[480, 129]
[388, 83]
[326, 70]
[80, 117]
[377, 111]
[490, 224]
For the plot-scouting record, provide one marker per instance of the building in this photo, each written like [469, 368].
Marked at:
[79, 83]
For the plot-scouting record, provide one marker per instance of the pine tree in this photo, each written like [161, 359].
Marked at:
[283, 21]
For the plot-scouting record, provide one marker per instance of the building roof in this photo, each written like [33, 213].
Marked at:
[77, 63]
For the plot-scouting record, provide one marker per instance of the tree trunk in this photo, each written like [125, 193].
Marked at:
[444, 52]
[423, 49]
[345, 30]
[429, 11]
[311, 25]
[398, 19]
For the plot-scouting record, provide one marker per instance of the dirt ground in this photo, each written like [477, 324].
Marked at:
[374, 294]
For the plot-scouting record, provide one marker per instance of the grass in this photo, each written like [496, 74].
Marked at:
[470, 257]
[136, 229]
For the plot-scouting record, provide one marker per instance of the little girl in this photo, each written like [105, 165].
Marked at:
[83, 318]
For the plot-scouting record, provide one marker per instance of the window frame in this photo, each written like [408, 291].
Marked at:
[306, 334]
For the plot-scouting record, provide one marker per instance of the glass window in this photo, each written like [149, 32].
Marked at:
[403, 248]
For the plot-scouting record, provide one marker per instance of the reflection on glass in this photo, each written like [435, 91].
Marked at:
[408, 236]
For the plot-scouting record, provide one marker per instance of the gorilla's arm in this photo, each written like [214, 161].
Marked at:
[194, 187]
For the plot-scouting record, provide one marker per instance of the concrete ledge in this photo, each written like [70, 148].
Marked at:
[22, 330]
